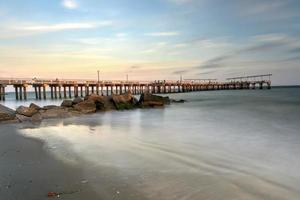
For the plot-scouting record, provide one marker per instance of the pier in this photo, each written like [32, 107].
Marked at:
[62, 89]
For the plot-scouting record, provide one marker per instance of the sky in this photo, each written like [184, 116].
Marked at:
[150, 39]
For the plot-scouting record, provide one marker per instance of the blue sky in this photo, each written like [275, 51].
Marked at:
[153, 39]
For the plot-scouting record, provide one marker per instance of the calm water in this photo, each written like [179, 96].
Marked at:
[221, 145]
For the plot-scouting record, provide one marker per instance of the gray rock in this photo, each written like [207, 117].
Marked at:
[77, 100]
[34, 106]
[124, 101]
[36, 118]
[51, 107]
[23, 118]
[102, 102]
[55, 112]
[85, 107]
[67, 103]
[26, 111]
[6, 113]
[151, 100]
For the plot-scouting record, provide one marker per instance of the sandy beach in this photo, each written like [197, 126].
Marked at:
[29, 171]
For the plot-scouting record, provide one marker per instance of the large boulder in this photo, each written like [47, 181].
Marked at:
[67, 103]
[124, 101]
[77, 100]
[6, 113]
[54, 112]
[34, 106]
[26, 111]
[36, 118]
[86, 107]
[51, 107]
[102, 102]
[151, 100]
[23, 118]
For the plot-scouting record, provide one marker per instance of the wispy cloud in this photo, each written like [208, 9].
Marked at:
[63, 26]
[58, 27]
[270, 10]
[263, 45]
[120, 35]
[180, 45]
[135, 67]
[163, 34]
[181, 1]
[22, 29]
[180, 72]
[70, 4]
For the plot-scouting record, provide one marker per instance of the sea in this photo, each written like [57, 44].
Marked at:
[218, 145]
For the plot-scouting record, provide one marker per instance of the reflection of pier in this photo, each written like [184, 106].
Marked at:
[79, 88]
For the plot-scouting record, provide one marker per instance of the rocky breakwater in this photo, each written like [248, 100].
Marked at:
[90, 104]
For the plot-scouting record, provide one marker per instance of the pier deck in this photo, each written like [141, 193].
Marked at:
[79, 88]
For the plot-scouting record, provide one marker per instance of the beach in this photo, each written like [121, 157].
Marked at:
[217, 145]
[29, 171]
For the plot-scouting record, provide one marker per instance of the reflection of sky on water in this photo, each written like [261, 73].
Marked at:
[218, 145]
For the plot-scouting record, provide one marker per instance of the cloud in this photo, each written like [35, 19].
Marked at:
[62, 26]
[266, 10]
[135, 67]
[163, 34]
[24, 29]
[264, 44]
[70, 4]
[58, 27]
[180, 45]
[180, 72]
[121, 35]
[295, 50]
[181, 1]
[207, 72]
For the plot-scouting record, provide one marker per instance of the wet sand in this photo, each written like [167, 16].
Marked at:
[28, 171]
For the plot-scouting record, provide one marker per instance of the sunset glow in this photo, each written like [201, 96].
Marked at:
[158, 39]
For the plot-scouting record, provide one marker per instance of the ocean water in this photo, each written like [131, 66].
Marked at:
[219, 145]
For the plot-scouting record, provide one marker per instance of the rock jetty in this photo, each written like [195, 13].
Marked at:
[78, 106]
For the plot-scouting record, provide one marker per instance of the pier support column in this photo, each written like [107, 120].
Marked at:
[16, 92]
[76, 91]
[21, 93]
[2, 93]
[81, 91]
[55, 92]
[39, 92]
[111, 90]
[36, 92]
[44, 92]
[101, 87]
[25, 92]
[116, 89]
[97, 89]
[70, 92]
[51, 91]
[59, 92]
[65, 92]
[121, 89]
[87, 90]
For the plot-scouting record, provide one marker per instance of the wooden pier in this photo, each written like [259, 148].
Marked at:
[60, 89]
